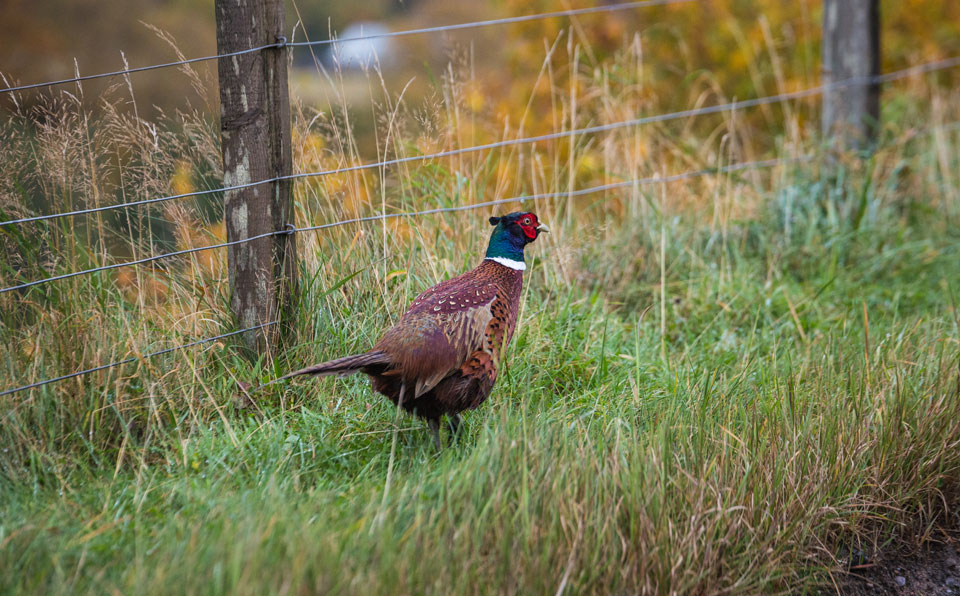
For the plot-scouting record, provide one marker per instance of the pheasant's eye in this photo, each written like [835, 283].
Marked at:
[526, 221]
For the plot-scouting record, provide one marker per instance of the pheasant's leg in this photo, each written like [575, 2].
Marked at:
[434, 424]
[454, 421]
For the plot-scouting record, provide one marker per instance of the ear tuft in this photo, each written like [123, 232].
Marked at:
[494, 221]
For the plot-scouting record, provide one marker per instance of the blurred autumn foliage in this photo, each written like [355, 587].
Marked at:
[741, 43]
[740, 48]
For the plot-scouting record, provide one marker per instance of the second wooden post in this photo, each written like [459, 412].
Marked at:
[851, 50]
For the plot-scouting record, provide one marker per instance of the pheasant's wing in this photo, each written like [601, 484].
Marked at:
[444, 326]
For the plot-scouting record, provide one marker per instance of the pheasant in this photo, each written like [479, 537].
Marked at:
[441, 357]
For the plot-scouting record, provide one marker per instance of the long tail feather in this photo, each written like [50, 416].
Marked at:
[341, 366]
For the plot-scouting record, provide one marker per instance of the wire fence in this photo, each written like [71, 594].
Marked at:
[281, 42]
[78, 373]
[691, 113]
[128, 71]
[518, 199]
[769, 163]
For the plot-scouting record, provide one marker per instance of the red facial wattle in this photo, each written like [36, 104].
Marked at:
[528, 223]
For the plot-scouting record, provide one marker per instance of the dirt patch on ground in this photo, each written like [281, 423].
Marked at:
[932, 569]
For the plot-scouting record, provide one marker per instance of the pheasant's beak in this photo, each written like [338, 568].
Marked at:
[543, 228]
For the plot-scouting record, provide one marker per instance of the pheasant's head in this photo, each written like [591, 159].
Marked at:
[511, 233]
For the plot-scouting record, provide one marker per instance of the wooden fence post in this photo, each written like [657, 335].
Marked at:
[255, 143]
[850, 49]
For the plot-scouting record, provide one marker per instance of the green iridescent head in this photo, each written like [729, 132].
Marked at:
[511, 233]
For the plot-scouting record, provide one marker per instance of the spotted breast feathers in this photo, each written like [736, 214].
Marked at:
[447, 324]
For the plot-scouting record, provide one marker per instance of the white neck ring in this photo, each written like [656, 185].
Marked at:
[515, 265]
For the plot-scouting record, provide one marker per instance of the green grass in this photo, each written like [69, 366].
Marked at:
[791, 411]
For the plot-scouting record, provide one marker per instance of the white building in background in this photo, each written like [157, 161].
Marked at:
[356, 49]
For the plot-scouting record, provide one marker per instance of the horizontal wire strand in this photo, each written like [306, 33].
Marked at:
[730, 106]
[127, 71]
[501, 21]
[133, 359]
[767, 163]
[129, 204]
[292, 229]
[280, 44]
[690, 113]
[150, 259]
